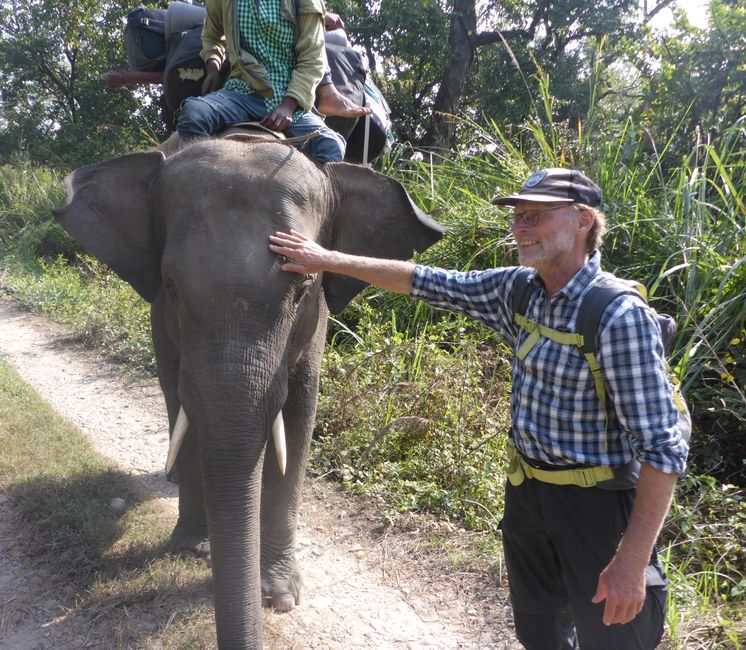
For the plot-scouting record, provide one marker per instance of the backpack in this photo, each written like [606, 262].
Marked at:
[145, 39]
[373, 136]
[592, 307]
[184, 70]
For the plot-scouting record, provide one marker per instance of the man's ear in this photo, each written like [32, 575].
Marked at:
[585, 219]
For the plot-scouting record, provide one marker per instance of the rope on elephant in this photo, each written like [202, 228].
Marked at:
[270, 137]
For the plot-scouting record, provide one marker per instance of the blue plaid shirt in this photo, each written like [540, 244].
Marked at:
[557, 415]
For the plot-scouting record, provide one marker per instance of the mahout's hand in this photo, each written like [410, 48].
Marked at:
[333, 21]
[211, 81]
[622, 586]
[302, 255]
[281, 117]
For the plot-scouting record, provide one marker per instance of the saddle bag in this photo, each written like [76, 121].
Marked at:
[145, 39]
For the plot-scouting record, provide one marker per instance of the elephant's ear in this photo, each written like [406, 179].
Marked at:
[375, 217]
[108, 211]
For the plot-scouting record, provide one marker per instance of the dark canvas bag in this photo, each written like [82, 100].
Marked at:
[184, 69]
[145, 39]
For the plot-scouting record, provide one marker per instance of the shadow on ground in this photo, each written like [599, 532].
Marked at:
[109, 571]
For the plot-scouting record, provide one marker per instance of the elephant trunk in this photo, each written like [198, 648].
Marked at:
[232, 462]
[232, 390]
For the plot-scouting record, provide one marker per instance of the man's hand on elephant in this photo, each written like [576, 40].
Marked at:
[302, 255]
[212, 77]
[281, 117]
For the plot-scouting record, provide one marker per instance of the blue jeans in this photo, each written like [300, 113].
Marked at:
[201, 117]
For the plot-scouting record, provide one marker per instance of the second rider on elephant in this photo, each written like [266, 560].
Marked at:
[276, 50]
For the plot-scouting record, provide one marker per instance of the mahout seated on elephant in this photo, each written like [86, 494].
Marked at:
[276, 53]
[238, 341]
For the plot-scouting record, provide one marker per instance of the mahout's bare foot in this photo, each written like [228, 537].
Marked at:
[331, 103]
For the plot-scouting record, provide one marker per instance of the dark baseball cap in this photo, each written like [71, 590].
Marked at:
[555, 185]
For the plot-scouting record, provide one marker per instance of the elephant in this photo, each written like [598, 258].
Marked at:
[238, 341]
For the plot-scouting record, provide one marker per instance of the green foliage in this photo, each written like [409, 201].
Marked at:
[27, 196]
[52, 106]
[420, 420]
[98, 307]
[43, 268]
[699, 529]
[705, 556]
[691, 80]
[47, 240]
[410, 50]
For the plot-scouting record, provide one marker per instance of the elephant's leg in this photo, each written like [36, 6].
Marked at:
[190, 534]
[281, 495]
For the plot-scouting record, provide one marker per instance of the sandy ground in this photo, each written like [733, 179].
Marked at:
[364, 587]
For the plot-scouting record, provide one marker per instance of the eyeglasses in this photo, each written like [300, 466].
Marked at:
[531, 217]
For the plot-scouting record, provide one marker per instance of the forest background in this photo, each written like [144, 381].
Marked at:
[414, 403]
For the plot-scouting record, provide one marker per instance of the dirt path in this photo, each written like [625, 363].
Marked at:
[364, 588]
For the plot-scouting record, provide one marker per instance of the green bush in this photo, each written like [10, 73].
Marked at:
[47, 240]
[421, 421]
[27, 197]
[98, 307]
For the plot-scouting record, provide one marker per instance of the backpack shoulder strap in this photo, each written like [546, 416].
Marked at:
[592, 308]
[522, 291]
[595, 302]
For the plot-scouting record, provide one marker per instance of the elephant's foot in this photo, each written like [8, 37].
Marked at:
[281, 582]
[186, 540]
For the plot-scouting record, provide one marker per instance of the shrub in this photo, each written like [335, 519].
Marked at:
[47, 240]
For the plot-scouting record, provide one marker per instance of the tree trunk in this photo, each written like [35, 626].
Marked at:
[461, 50]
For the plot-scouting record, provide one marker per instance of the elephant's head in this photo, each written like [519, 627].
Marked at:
[238, 340]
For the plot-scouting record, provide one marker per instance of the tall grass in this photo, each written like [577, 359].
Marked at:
[675, 225]
[27, 196]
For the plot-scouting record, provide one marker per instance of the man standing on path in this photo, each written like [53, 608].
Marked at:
[581, 561]
[276, 50]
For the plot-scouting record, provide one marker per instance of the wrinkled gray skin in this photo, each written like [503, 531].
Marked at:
[236, 338]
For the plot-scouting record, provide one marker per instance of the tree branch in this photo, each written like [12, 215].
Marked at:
[655, 10]
[488, 38]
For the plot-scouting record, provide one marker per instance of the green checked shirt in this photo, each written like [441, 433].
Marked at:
[270, 39]
[275, 47]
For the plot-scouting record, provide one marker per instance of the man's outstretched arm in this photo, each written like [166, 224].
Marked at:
[306, 256]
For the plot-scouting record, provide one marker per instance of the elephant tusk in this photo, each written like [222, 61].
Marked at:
[177, 437]
[278, 435]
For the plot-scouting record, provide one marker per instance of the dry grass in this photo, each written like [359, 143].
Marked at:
[107, 576]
